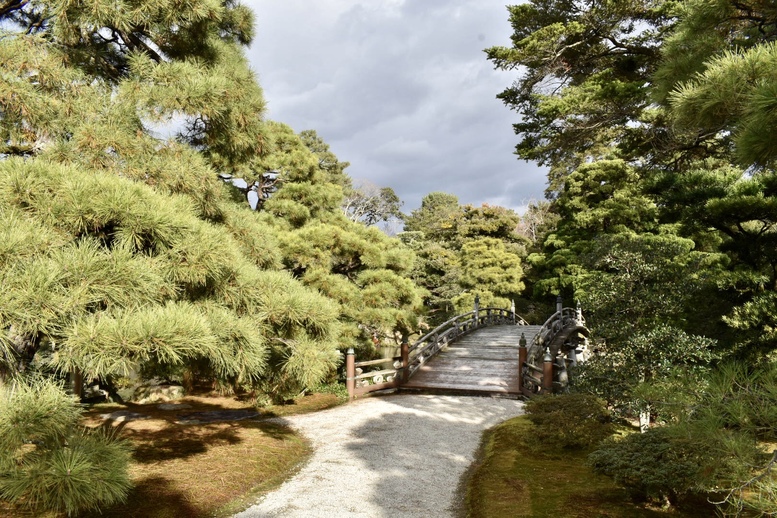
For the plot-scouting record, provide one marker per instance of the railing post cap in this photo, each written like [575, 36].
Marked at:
[547, 357]
[350, 351]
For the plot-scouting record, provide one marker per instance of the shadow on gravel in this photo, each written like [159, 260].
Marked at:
[420, 451]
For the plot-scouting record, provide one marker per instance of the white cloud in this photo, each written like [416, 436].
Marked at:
[401, 90]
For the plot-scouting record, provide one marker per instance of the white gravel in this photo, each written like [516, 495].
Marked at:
[400, 455]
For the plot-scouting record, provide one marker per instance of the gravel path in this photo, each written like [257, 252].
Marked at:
[386, 457]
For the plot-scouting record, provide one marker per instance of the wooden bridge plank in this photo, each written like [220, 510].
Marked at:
[484, 361]
[478, 356]
[462, 373]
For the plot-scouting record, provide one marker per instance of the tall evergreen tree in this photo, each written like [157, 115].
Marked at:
[464, 252]
[144, 264]
[583, 92]
[360, 267]
[717, 80]
[654, 118]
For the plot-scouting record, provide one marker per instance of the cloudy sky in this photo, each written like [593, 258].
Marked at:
[401, 89]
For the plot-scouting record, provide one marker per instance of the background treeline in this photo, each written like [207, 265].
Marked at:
[657, 121]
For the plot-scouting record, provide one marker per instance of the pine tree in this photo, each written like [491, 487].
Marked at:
[48, 462]
[583, 93]
[359, 267]
[464, 252]
[143, 263]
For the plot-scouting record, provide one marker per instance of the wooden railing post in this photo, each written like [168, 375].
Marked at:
[563, 376]
[572, 355]
[405, 352]
[547, 372]
[522, 355]
[350, 373]
[477, 310]
[559, 304]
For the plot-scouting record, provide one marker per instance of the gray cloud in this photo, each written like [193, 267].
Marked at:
[400, 89]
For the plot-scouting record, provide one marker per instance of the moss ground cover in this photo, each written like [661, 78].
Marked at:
[517, 476]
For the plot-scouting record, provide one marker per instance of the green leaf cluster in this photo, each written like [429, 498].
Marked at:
[583, 92]
[359, 267]
[463, 252]
[569, 421]
[656, 120]
[128, 280]
[710, 449]
[651, 465]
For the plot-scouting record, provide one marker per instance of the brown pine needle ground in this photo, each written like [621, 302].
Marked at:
[199, 470]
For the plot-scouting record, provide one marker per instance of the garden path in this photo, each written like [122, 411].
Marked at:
[384, 457]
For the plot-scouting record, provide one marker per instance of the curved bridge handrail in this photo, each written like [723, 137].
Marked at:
[420, 351]
[432, 342]
[554, 325]
[552, 350]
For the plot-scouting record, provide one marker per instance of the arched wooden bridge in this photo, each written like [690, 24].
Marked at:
[488, 351]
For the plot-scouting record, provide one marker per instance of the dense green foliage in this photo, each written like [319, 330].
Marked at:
[357, 266]
[48, 461]
[656, 120]
[570, 420]
[650, 464]
[124, 255]
[464, 252]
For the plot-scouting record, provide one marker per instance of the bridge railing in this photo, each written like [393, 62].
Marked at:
[414, 355]
[554, 325]
[542, 369]
[431, 343]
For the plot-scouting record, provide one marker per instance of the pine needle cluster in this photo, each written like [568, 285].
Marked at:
[48, 462]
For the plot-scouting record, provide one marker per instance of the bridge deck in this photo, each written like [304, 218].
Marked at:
[482, 362]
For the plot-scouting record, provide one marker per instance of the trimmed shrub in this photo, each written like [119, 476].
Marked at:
[570, 420]
[652, 465]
